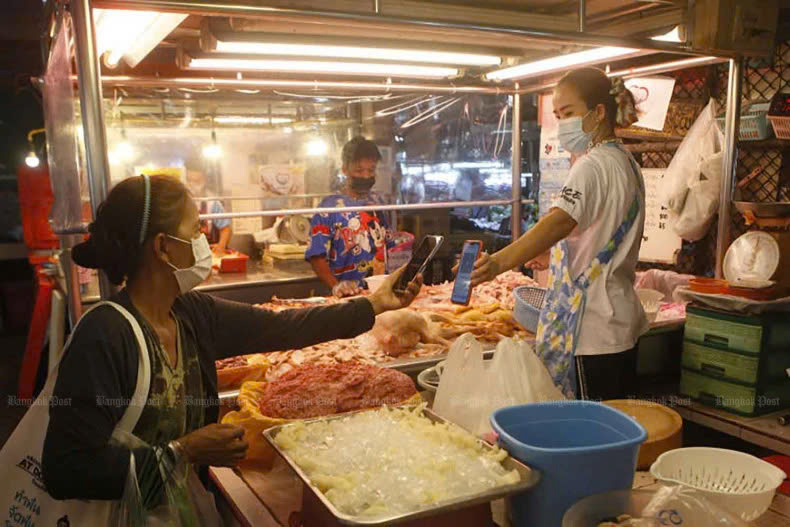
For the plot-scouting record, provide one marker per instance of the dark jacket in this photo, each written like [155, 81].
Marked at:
[101, 363]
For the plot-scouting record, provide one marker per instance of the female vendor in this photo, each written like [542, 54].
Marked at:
[591, 318]
[147, 235]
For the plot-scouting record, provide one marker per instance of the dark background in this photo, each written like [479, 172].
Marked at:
[21, 23]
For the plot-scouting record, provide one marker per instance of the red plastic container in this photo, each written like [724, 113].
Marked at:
[234, 262]
[711, 286]
[35, 203]
[714, 286]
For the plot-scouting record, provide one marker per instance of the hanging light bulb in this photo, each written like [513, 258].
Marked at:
[123, 151]
[317, 147]
[32, 159]
[212, 150]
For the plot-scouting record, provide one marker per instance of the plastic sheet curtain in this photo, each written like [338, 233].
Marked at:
[64, 147]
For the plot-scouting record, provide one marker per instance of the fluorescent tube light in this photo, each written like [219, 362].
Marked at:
[308, 66]
[243, 119]
[131, 35]
[672, 36]
[664, 67]
[357, 52]
[561, 62]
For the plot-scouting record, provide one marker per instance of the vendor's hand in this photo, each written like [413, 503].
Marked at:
[486, 268]
[346, 288]
[539, 263]
[217, 445]
[385, 299]
[378, 267]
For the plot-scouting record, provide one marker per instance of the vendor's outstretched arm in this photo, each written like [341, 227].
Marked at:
[553, 227]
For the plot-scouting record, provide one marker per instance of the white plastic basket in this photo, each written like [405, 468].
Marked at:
[737, 482]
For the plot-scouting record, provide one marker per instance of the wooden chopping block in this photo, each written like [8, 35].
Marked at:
[315, 514]
[664, 428]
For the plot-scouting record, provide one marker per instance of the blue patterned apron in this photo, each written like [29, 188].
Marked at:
[561, 315]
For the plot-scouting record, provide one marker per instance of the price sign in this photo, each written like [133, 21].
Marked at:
[659, 241]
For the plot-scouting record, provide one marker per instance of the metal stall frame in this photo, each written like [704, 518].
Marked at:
[90, 86]
[90, 89]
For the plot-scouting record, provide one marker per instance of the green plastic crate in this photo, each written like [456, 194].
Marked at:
[743, 400]
[752, 334]
[743, 368]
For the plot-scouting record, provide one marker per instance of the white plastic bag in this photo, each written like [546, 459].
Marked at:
[702, 201]
[702, 140]
[686, 507]
[471, 388]
[666, 282]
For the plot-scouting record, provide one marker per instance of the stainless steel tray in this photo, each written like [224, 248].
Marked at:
[764, 210]
[529, 478]
[415, 366]
[230, 394]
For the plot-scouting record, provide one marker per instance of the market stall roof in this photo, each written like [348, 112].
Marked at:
[452, 43]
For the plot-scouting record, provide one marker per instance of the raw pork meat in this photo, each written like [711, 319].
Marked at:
[398, 332]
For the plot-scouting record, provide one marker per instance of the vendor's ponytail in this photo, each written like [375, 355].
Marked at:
[626, 104]
[121, 226]
[594, 87]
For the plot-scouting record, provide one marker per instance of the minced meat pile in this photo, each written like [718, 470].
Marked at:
[321, 390]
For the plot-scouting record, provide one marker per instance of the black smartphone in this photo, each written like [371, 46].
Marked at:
[462, 287]
[419, 261]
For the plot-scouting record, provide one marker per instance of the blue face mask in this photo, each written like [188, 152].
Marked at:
[572, 136]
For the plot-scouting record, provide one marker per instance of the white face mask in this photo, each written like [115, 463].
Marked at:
[572, 136]
[191, 277]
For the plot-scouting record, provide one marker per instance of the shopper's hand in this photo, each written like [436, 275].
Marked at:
[346, 288]
[385, 299]
[486, 268]
[217, 445]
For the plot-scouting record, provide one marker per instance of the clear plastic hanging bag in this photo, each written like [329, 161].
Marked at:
[185, 503]
[686, 507]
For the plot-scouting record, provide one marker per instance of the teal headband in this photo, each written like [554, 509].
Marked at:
[146, 208]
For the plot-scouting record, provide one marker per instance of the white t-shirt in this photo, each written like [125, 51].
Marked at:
[598, 193]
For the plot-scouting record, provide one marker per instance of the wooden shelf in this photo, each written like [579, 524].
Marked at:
[656, 137]
[764, 431]
[766, 144]
[665, 146]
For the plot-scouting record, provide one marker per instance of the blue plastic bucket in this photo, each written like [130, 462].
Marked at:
[581, 448]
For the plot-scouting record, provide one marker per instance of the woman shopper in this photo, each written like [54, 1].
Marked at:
[147, 236]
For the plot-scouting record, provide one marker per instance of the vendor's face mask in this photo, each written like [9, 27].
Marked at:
[362, 184]
[190, 277]
[572, 136]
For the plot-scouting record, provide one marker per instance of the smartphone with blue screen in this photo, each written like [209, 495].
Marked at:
[462, 287]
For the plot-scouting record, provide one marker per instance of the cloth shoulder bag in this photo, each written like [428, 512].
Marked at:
[24, 500]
